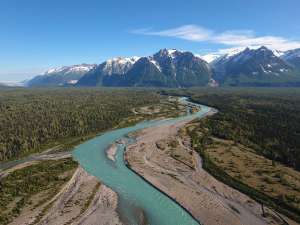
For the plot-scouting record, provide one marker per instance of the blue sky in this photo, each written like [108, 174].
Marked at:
[38, 34]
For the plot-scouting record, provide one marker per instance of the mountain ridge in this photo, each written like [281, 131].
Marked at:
[258, 66]
[166, 68]
[60, 76]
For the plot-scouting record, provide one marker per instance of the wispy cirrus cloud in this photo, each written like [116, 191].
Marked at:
[187, 32]
[231, 38]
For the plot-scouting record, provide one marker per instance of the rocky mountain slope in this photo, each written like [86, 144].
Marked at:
[66, 75]
[173, 68]
[292, 57]
[166, 68]
[254, 67]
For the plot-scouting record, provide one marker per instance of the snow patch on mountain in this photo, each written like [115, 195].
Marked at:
[234, 52]
[173, 53]
[119, 65]
[72, 81]
[155, 64]
[295, 53]
[278, 53]
[209, 57]
[82, 68]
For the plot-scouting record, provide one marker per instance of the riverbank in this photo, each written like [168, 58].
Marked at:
[83, 201]
[55, 191]
[9, 167]
[29, 214]
[133, 192]
[162, 155]
[26, 190]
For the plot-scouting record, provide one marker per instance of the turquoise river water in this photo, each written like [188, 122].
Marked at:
[133, 192]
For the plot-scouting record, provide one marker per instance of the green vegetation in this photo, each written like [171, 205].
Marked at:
[252, 143]
[260, 124]
[266, 120]
[33, 120]
[57, 119]
[256, 178]
[32, 186]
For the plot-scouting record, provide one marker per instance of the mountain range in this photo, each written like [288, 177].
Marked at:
[173, 68]
[166, 68]
[255, 67]
[66, 75]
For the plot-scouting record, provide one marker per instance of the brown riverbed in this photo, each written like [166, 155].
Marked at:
[164, 158]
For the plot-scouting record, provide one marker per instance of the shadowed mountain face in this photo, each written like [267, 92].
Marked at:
[167, 68]
[293, 57]
[173, 68]
[183, 68]
[254, 67]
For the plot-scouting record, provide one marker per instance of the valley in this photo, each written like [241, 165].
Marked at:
[177, 156]
[150, 112]
[163, 156]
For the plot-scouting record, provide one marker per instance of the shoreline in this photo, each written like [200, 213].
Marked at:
[111, 152]
[158, 189]
[230, 204]
[211, 112]
[101, 202]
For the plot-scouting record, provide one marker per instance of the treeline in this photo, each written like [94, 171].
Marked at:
[31, 118]
[267, 120]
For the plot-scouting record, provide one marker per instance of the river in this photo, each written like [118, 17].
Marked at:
[135, 195]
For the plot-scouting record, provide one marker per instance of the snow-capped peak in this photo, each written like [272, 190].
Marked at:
[119, 65]
[172, 53]
[295, 53]
[82, 68]
[237, 53]
[222, 54]
[123, 60]
[278, 53]
[53, 70]
[208, 57]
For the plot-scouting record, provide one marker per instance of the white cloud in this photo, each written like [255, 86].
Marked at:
[240, 38]
[272, 42]
[187, 32]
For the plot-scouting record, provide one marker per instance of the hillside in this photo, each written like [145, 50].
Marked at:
[254, 67]
[249, 67]
[166, 68]
[62, 76]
